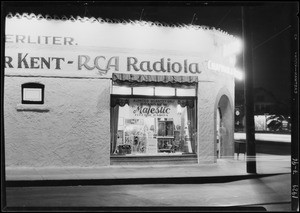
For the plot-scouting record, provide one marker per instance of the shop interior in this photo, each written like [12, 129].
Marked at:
[169, 132]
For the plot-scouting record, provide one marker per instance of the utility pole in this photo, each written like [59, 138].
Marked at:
[248, 89]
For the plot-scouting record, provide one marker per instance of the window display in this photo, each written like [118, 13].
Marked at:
[154, 127]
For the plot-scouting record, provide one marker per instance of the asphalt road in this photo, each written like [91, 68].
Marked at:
[272, 192]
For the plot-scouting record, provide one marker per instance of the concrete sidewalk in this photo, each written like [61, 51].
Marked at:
[266, 165]
[282, 138]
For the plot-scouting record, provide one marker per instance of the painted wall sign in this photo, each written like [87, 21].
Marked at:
[134, 64]
[39, 39]
[102, 64]
[84, 48]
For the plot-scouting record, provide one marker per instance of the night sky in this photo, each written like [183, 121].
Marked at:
[272, 49]
[271, 27]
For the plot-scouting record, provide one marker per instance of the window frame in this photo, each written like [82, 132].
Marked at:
[154, 91]
[32, 85]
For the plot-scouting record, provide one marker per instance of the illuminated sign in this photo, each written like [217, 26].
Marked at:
[224, 69]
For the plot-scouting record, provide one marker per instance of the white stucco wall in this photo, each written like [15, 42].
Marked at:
[75, 129]
[206, 122]
[211, 86]
[74, 132]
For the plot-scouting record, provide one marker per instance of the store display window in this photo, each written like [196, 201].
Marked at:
[150, 126]
[153, 115]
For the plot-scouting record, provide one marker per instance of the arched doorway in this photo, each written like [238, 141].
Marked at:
[225, 128]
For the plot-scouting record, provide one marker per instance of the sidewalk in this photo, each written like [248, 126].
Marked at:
[223, 170]
[282, 138]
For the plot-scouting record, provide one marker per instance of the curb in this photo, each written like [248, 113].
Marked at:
[135, 181]
[145, 209]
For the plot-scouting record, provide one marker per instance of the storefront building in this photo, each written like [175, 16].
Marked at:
[87, 92]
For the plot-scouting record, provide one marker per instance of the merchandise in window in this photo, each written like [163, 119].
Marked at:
[153, 127]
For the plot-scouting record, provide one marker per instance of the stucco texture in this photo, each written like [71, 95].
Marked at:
[206, 122]
[74, 129]
[209, 95]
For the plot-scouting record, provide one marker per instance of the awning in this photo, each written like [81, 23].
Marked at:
[154, 80]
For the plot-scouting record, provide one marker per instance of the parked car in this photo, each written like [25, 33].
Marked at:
[278, 123]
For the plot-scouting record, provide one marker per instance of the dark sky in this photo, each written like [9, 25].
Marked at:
[272, 49]
[271, 27]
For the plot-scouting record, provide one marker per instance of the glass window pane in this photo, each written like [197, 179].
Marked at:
[164, 91]
[186, 92]
[32, 94]
[171, 133]
[121, 90]
[143, 91]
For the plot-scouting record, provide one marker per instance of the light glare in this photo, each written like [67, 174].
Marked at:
[238, 74]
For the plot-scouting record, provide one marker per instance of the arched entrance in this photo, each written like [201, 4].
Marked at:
[224, 128]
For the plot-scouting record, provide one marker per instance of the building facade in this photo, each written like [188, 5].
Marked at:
[87, 92]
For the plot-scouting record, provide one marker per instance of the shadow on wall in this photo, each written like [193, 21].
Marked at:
[227, 126]
[103, 101]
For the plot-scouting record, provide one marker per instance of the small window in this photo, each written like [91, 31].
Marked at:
[33, 93]
[153, 91]
[143, 91]
[186, 92]
[121, 90]
[164, 91]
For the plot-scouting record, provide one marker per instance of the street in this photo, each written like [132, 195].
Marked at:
[271, 192]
